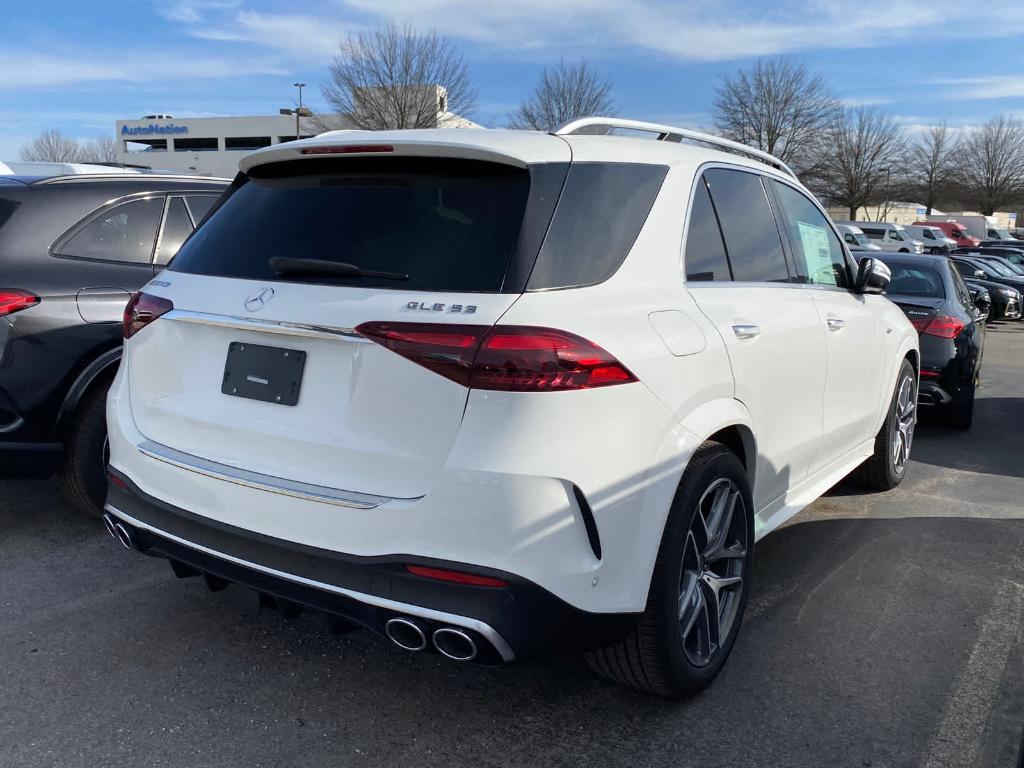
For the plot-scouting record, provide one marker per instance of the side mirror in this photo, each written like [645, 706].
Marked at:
[983, 302]
[873, 276]
[979, 273]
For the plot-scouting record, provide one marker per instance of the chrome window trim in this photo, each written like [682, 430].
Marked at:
[502, 647]
[268, 326]
[259, 481]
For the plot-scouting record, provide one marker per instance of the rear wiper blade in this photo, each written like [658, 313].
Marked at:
[284, 265]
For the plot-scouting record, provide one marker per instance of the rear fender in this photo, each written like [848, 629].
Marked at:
[103, 366]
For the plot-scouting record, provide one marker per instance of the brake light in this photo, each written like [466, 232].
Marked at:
[942, 326]
[349, 149]
[13, 300]
[143, 309]
[456, 577]
[503, 358]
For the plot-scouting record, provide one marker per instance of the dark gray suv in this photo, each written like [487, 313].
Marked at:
[72, 251]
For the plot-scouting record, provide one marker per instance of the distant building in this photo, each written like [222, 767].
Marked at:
[212, 146]
[897, 212]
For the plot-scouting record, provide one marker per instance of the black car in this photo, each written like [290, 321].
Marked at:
[1006, 301]
[937, 301]
[72, 251]
[1014, 256]
[971, 266]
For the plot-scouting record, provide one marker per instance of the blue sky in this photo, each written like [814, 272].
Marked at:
[79, 66]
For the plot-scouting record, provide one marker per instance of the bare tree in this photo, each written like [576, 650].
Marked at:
[991, 164]
[52, 146]
[931, 163]
[864, 159]
[389, 78]
[565, 92]
[102, 149]
[778, 107]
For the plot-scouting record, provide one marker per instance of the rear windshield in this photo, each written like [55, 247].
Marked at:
[916, 281]
[450, 225]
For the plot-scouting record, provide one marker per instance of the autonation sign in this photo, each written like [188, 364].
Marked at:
[153, 129]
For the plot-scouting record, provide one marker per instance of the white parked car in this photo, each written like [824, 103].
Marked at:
[888, 236]
[855, 238]
[497, 394]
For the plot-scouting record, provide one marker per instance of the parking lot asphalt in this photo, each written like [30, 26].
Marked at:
[883, 630]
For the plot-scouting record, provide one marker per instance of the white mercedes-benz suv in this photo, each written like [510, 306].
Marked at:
[496, 394]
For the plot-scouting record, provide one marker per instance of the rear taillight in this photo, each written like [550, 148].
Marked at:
[942, 326]
[13, 300]
[505, 358]
[143, 309]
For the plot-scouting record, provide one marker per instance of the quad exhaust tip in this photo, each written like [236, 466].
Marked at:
[405, 634]
[119, 531]
[454, 644]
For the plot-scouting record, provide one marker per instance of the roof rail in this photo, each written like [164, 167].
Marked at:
[125, 177]
[602, 126]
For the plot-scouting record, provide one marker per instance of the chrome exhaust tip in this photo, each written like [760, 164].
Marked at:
[124, 535]
[108, 523]
[405, 634]
[454, 644]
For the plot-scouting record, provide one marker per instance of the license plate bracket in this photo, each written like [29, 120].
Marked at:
[269, 374]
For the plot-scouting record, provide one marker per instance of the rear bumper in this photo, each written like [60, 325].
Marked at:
[520, 620]
[930, 393]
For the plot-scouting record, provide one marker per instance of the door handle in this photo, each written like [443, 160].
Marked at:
[835, 324]
[746, 331]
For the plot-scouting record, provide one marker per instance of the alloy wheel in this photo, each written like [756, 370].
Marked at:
[711, 579]
[905, 418]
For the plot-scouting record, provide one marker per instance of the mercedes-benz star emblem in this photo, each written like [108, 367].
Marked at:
[259, 300]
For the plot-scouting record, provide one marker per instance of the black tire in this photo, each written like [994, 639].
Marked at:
[656, 657]
[82, 479]
[959, 413]
[882, 472]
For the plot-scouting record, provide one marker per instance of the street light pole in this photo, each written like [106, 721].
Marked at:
[298, 111]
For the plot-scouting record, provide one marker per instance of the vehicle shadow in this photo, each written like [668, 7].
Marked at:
[843, 660]
[992, 446]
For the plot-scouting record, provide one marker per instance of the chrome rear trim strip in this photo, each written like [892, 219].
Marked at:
[267, 326]
[502, 647]
[259, 481]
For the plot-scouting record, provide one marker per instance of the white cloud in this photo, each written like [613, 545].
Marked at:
[32, 68]
[992, 87]
[306, 36]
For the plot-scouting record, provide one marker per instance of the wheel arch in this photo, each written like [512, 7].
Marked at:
[101, 369]
[726, 421]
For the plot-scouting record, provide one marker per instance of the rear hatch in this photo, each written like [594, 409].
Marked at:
[260, 368]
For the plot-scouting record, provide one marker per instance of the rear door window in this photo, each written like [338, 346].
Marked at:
[705, 250]
[126, 232]
[818, 255]
[450, 226]
[748, 226]
[177, 227]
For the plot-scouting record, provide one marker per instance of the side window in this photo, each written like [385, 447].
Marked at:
[874, 234]
[850, 239]
[817, 251]
[748, 226]
[200, 205]
[177, 227]
[705, 251]
[125, 232]
[962, 291]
